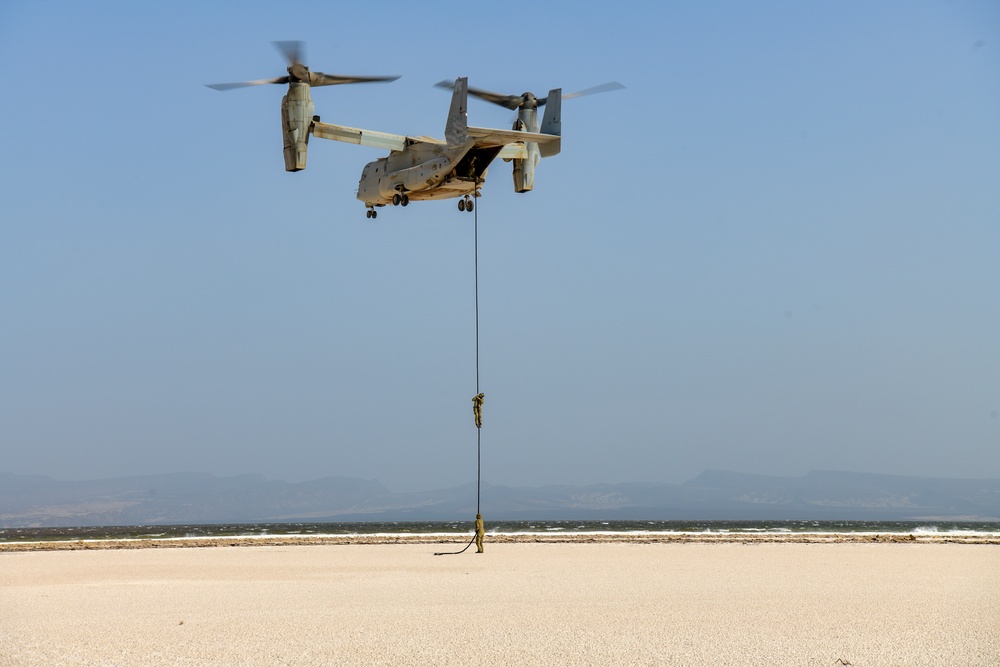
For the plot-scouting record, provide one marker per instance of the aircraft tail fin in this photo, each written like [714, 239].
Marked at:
[552, 123]
[456, 131]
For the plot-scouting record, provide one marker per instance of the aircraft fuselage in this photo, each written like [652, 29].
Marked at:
[425, 171]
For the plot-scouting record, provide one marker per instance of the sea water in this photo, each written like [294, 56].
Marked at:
[942, 527]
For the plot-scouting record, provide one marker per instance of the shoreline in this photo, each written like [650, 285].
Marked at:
[502, 538]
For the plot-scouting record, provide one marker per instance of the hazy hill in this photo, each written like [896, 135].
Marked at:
[27, 501]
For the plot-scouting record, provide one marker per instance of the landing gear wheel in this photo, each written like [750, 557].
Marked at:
[396, 199]
[368, 213]
[374, 213]
[461, 204]
[405, 200]
[469, 205]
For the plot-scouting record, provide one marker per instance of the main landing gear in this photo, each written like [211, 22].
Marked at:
[400, 199]
[466, 204]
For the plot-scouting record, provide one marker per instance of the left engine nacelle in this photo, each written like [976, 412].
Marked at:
[296, 117]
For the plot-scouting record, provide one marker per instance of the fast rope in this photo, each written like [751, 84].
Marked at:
[479, 430]
[475, 253]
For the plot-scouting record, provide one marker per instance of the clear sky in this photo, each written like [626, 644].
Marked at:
[776, 250]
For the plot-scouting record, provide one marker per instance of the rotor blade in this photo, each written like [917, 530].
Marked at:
[506, 101]
[321, 79]
[292, 50]
[244, 84]
[603, 88]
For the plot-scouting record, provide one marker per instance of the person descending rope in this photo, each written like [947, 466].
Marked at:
[477, 408]
[480, 533]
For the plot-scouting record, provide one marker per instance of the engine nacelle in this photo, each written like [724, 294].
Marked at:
[527, 120]
[524, 169]
[296, 117]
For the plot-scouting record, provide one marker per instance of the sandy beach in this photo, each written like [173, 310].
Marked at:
[520, 603]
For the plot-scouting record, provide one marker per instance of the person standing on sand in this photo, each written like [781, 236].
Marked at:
[477, 408]
[480, 531]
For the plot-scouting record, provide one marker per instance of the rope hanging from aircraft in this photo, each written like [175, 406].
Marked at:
[477, 400]
[479, 396]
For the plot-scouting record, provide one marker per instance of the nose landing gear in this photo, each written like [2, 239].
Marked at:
[466, 204]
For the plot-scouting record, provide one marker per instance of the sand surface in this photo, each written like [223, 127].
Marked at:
[517, 604]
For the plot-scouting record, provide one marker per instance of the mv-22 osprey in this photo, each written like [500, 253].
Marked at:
[418, 168]
[423, 168]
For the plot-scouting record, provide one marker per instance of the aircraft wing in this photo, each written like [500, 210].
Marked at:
[353, 135]
[486, 136]
[511, 141]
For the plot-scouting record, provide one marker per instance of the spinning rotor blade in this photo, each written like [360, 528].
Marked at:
[603, 88]
[298, 73]
[292, 50]
[244, 84]
[294, 53]
[508, 101]
[528, 99]
[320, 79]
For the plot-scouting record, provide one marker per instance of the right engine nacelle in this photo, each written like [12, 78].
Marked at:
[296, 117]
[524, 170]
[527, 120]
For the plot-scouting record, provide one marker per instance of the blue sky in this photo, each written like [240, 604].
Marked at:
[774, 251]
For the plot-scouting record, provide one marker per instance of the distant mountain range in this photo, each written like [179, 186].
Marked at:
[190, 498]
